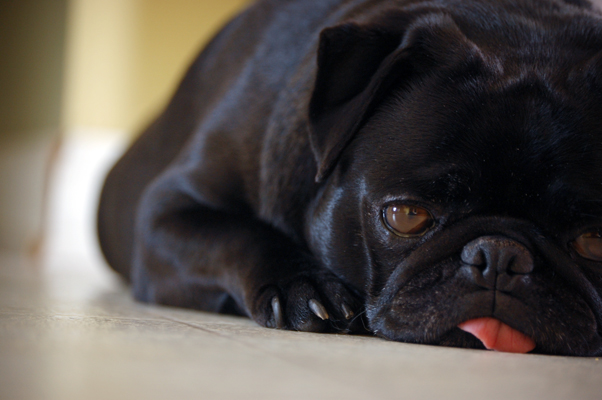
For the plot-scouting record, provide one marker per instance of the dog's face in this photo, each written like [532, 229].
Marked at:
[494, 212]
[473, 189]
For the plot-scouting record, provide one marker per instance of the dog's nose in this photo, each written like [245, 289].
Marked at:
[498, 255]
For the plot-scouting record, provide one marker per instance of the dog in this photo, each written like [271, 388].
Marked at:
[426, 171]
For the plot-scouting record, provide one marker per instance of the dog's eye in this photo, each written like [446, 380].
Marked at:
[405, 220]
[589, 245]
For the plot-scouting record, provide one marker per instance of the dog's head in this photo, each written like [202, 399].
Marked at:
[461, 162]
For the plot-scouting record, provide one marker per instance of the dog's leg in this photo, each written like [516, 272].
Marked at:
[193, 252]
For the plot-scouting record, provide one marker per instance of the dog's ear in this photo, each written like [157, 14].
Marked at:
[593, 71]
[587, 75]
[348, 59]
[358, 65]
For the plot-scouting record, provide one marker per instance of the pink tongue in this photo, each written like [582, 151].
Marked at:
[496, 335]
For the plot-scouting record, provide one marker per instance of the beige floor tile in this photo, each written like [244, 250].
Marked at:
[69, 337]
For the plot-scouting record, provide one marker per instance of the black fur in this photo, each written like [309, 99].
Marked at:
[262, 185]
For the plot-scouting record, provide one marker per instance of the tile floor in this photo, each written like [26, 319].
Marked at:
[70, 330]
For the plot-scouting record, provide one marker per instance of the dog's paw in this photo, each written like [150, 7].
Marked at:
[306, 304]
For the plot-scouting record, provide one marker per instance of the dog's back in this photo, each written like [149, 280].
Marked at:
[243, 68]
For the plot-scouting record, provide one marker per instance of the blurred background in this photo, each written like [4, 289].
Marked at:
[78, 80]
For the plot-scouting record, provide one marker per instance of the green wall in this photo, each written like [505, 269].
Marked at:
[32, 41]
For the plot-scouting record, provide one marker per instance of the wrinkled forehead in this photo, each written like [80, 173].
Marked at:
[500, 143]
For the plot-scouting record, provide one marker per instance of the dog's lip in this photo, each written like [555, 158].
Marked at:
[475, 305]
[496, 335]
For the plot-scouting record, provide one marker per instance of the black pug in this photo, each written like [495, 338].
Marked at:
[428, 170]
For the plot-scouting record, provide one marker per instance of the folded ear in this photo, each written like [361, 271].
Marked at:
[348, 59]
[358, 65]
[593, 71]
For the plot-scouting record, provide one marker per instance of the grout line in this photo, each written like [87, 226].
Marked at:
[48, 314]
[193, 326]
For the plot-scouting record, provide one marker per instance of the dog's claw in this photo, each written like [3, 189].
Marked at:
[317, 308]
[277, 310]
[347, 311]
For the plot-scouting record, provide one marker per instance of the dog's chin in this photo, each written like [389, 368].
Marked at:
[477, 328]
[454, 337]
[448, 332]
[490, 334]
[459, 338]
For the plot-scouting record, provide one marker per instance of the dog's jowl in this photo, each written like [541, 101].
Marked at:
[429, 171]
